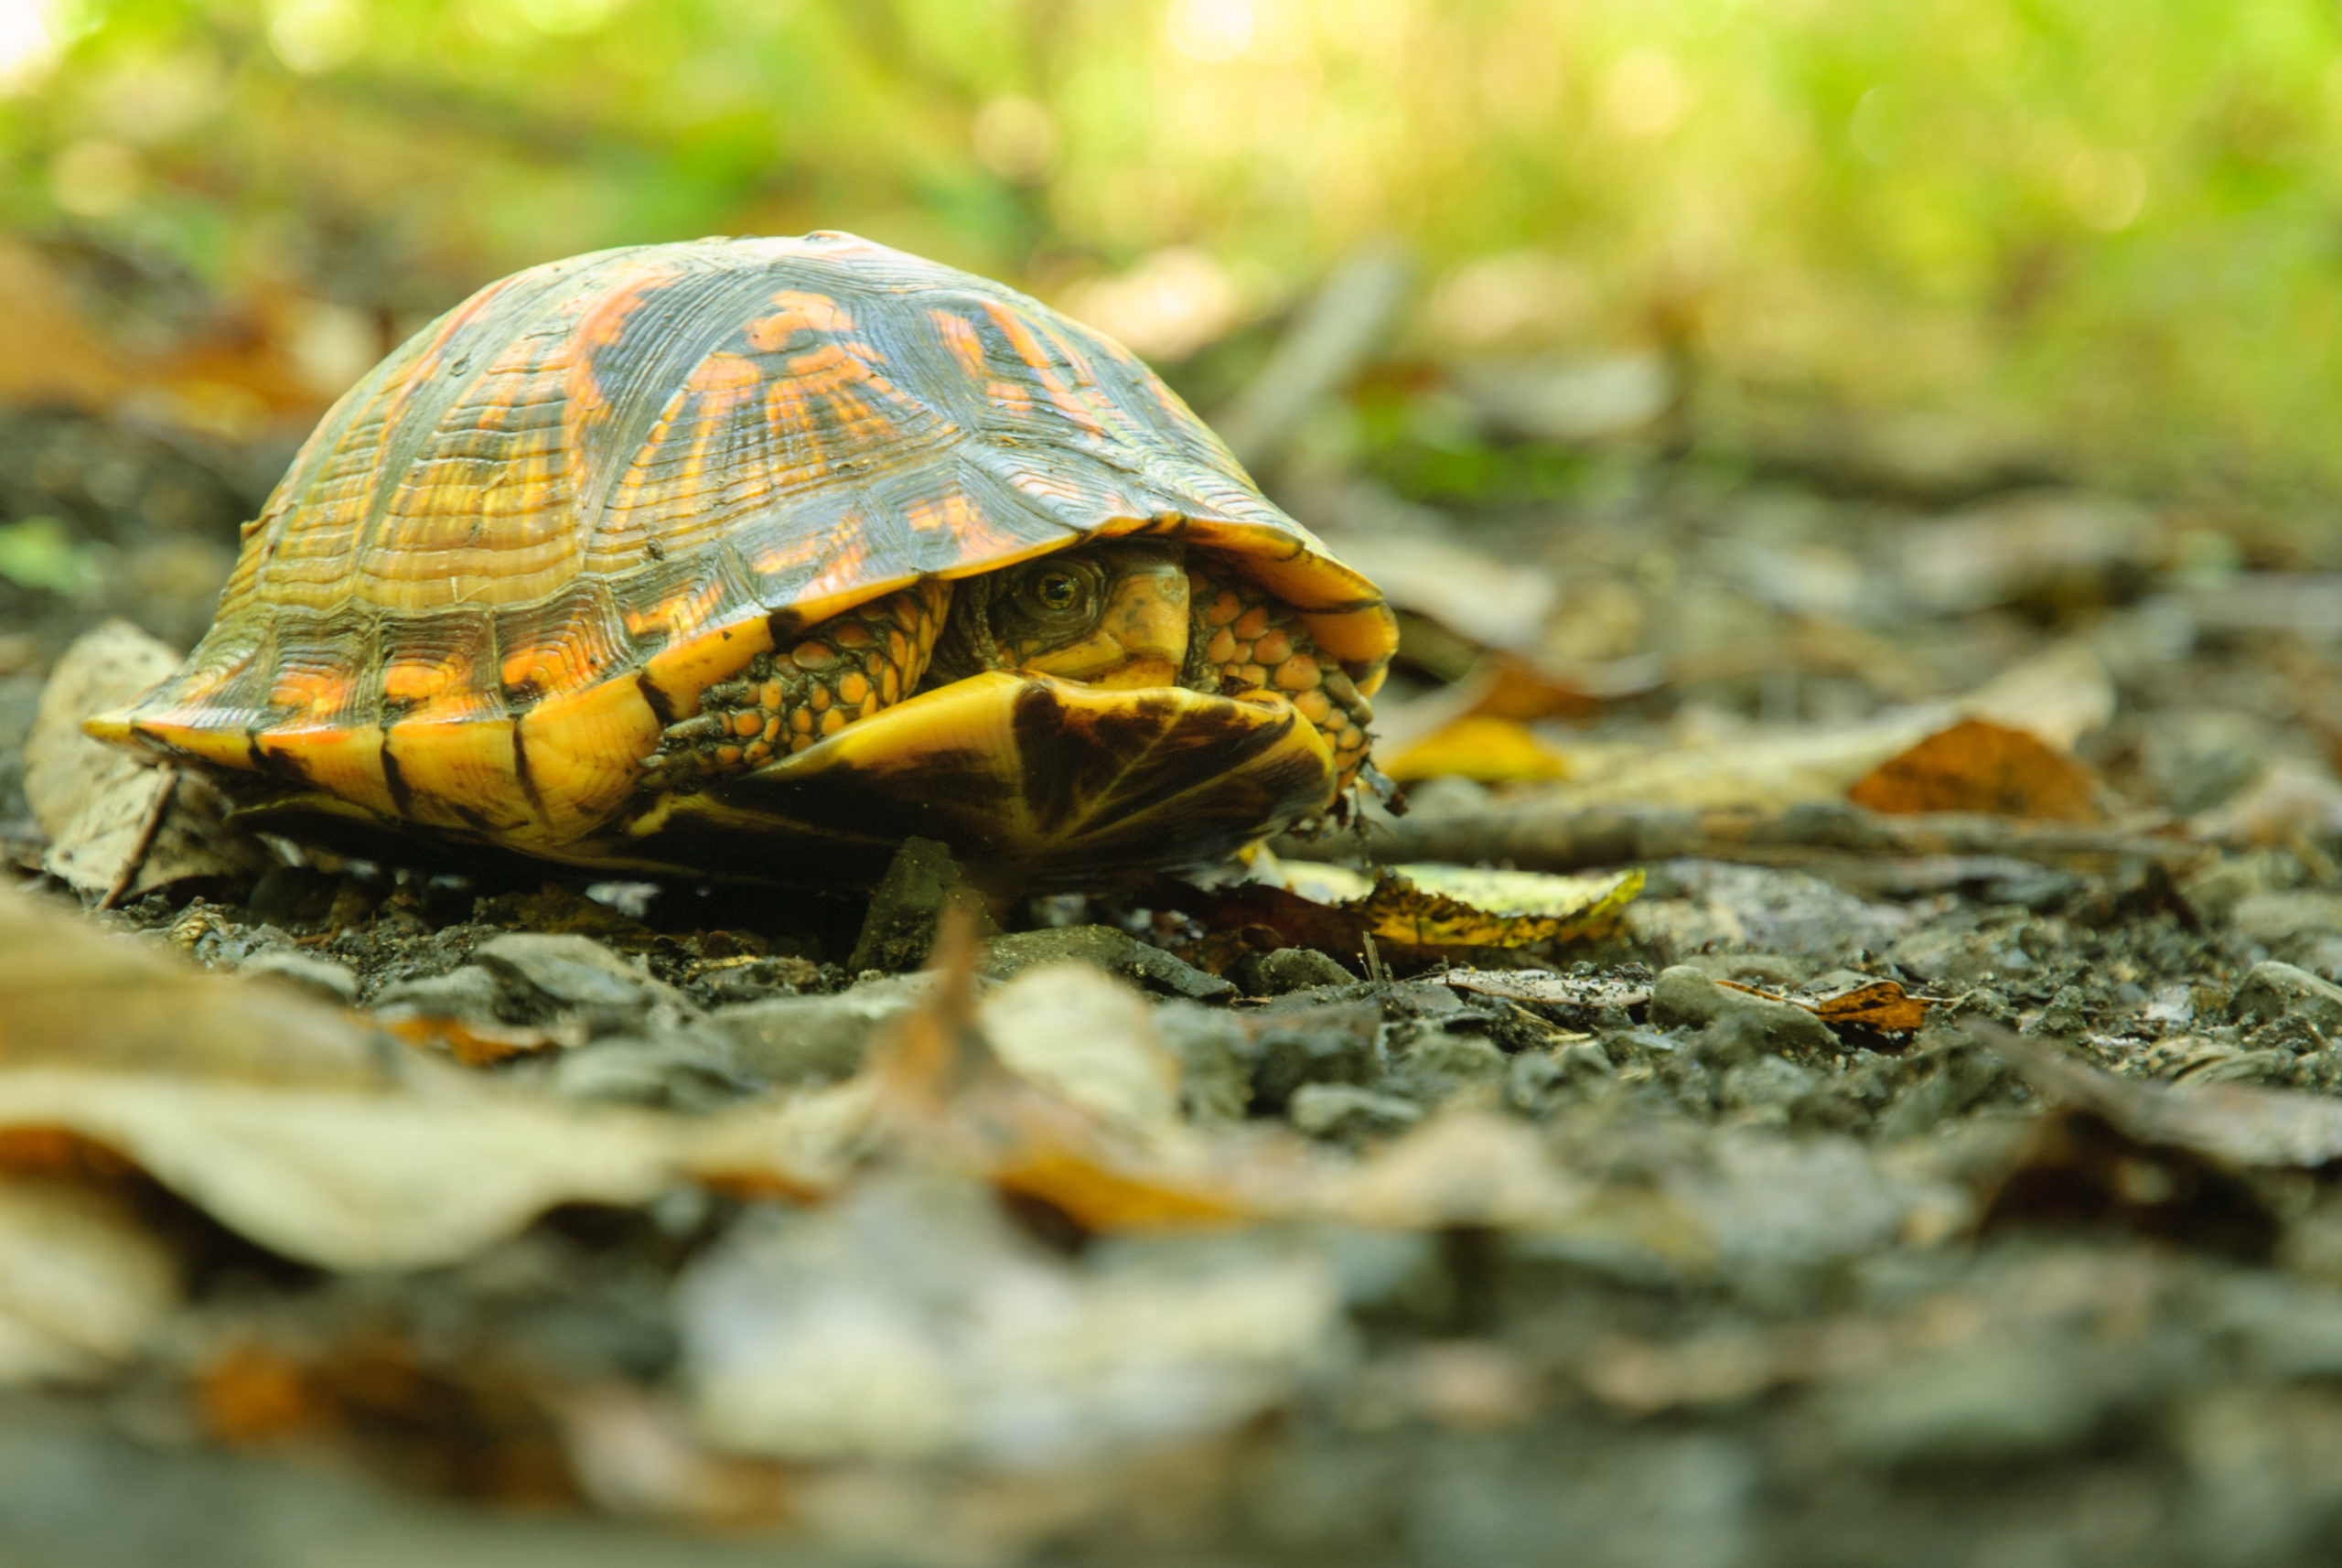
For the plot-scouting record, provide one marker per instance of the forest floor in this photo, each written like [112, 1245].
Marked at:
[1926, 1163]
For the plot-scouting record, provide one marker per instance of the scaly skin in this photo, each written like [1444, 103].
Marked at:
[846, 667]
[1239, 638]
[1243, 640]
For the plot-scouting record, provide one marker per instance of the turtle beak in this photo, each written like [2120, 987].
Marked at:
[1142, 636]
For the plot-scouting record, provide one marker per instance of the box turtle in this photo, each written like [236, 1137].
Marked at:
[752, 557]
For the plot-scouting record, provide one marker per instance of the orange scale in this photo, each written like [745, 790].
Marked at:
[1297, 672]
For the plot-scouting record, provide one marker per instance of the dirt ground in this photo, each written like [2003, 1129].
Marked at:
[1673, 1238]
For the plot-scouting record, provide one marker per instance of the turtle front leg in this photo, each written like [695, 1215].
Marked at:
[1243, 638]
[845, 669]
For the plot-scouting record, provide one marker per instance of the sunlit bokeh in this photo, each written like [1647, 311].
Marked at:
[2105, 225]
[29, 42]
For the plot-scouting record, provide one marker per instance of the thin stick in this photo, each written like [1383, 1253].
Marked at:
[1555, 835]
[139, 846]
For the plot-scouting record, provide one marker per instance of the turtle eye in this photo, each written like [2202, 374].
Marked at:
[1056, 590]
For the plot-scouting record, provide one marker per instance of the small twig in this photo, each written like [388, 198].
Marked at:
[147, 828]
[1559, 835]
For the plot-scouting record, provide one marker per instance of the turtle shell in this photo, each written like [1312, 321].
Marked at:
[527, 541]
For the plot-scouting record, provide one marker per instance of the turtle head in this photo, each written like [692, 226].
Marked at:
[1112, 615]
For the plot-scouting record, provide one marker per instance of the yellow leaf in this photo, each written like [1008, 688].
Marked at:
[1484, 749]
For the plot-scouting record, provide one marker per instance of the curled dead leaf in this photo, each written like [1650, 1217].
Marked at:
[474, 1043]
[1983, 767]
[1880, 1007]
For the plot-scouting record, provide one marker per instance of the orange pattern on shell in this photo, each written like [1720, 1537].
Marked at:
[634, 467]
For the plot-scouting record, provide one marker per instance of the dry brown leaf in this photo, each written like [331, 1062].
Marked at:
[82, 1282]
[2059, 694]
[2228, 1122]
[1082, 1035]
[475, 1426]
[1771, 767]
[354, 1181]
[1882, 1007]
[115, 826]
[1982, 768]
[2292, 800]
[471, 1042]
[944, 1096]
[282, 1119]
[70, 996]
[911, 1320]
[1465, 1167]
[349, 1180]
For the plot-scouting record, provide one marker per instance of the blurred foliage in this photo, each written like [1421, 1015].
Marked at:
[2114, 225]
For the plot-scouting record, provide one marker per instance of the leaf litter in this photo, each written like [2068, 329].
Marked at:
[1848, 1013]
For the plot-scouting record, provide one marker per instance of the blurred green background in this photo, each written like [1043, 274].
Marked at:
[2102, 236]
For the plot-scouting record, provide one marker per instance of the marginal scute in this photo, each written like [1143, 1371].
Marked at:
[580, 750]
[345, 761]
[461, 774]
